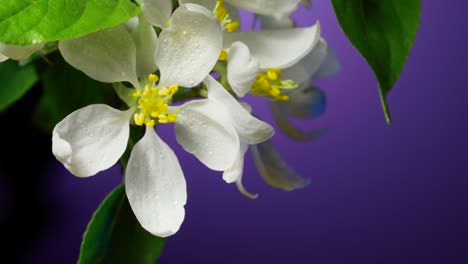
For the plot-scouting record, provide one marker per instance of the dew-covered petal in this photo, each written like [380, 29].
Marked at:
[242, 69]
[274, 170]
[329, 67]
[108, 55]
[157, 12]
[305, 102]
[266, 7]
[190, 47]
[249, 128]
[280, 114]
[145, 39]
[155, 186]
[304, 71]
[280, 48]
[91, 139]
[203, 130]
[19, 52]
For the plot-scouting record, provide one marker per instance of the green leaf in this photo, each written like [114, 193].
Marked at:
[383, 31]
[15, 81]
[115, 236]
[65, 90]
[25, 22]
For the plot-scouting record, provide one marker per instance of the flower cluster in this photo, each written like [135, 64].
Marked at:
[196, 38]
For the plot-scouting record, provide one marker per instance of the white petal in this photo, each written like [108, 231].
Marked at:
[203, 131]
[304, 71]
[305, 102]
[234, 172]
[249, 128]
[329, 67]
[266, 7]
[190, 47]
[155, 186]
[288, 128]
[107, 56]
[242, 189]
[145, 39]
[210, 5]
[157, 12]
[91, 139]
[274, 170]
[242, 69]
[279, 48]
[19, 52]
[276, 22]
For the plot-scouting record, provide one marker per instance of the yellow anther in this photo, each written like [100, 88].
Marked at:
[275, 70]
[164, 91]
[272, 75]
[172, 117]
[137, 94]
[168, 23]
[153, 78]
[268, 83]
[153, 104]
[223, 56]
[275, 92]
[150, 123]
[139, 119]
[173, 89]
[230, 27]
[221, 13]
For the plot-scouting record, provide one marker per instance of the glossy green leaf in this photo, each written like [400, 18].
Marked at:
[115, 236]
[65, 90]
[25, 22]
[383, 31]
[15, 81]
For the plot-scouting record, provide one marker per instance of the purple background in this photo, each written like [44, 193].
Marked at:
[379, 194]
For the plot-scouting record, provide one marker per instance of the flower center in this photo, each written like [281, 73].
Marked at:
[268, 83]
[222, 15]
[153, 104]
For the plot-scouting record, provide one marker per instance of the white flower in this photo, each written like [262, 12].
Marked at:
[264, 7]
[267, 49]
[93, 138]
[249, 129]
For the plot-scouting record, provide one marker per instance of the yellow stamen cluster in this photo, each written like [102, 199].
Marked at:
[223, 56]
[222, 15]
[152, 104]
[268, 83]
